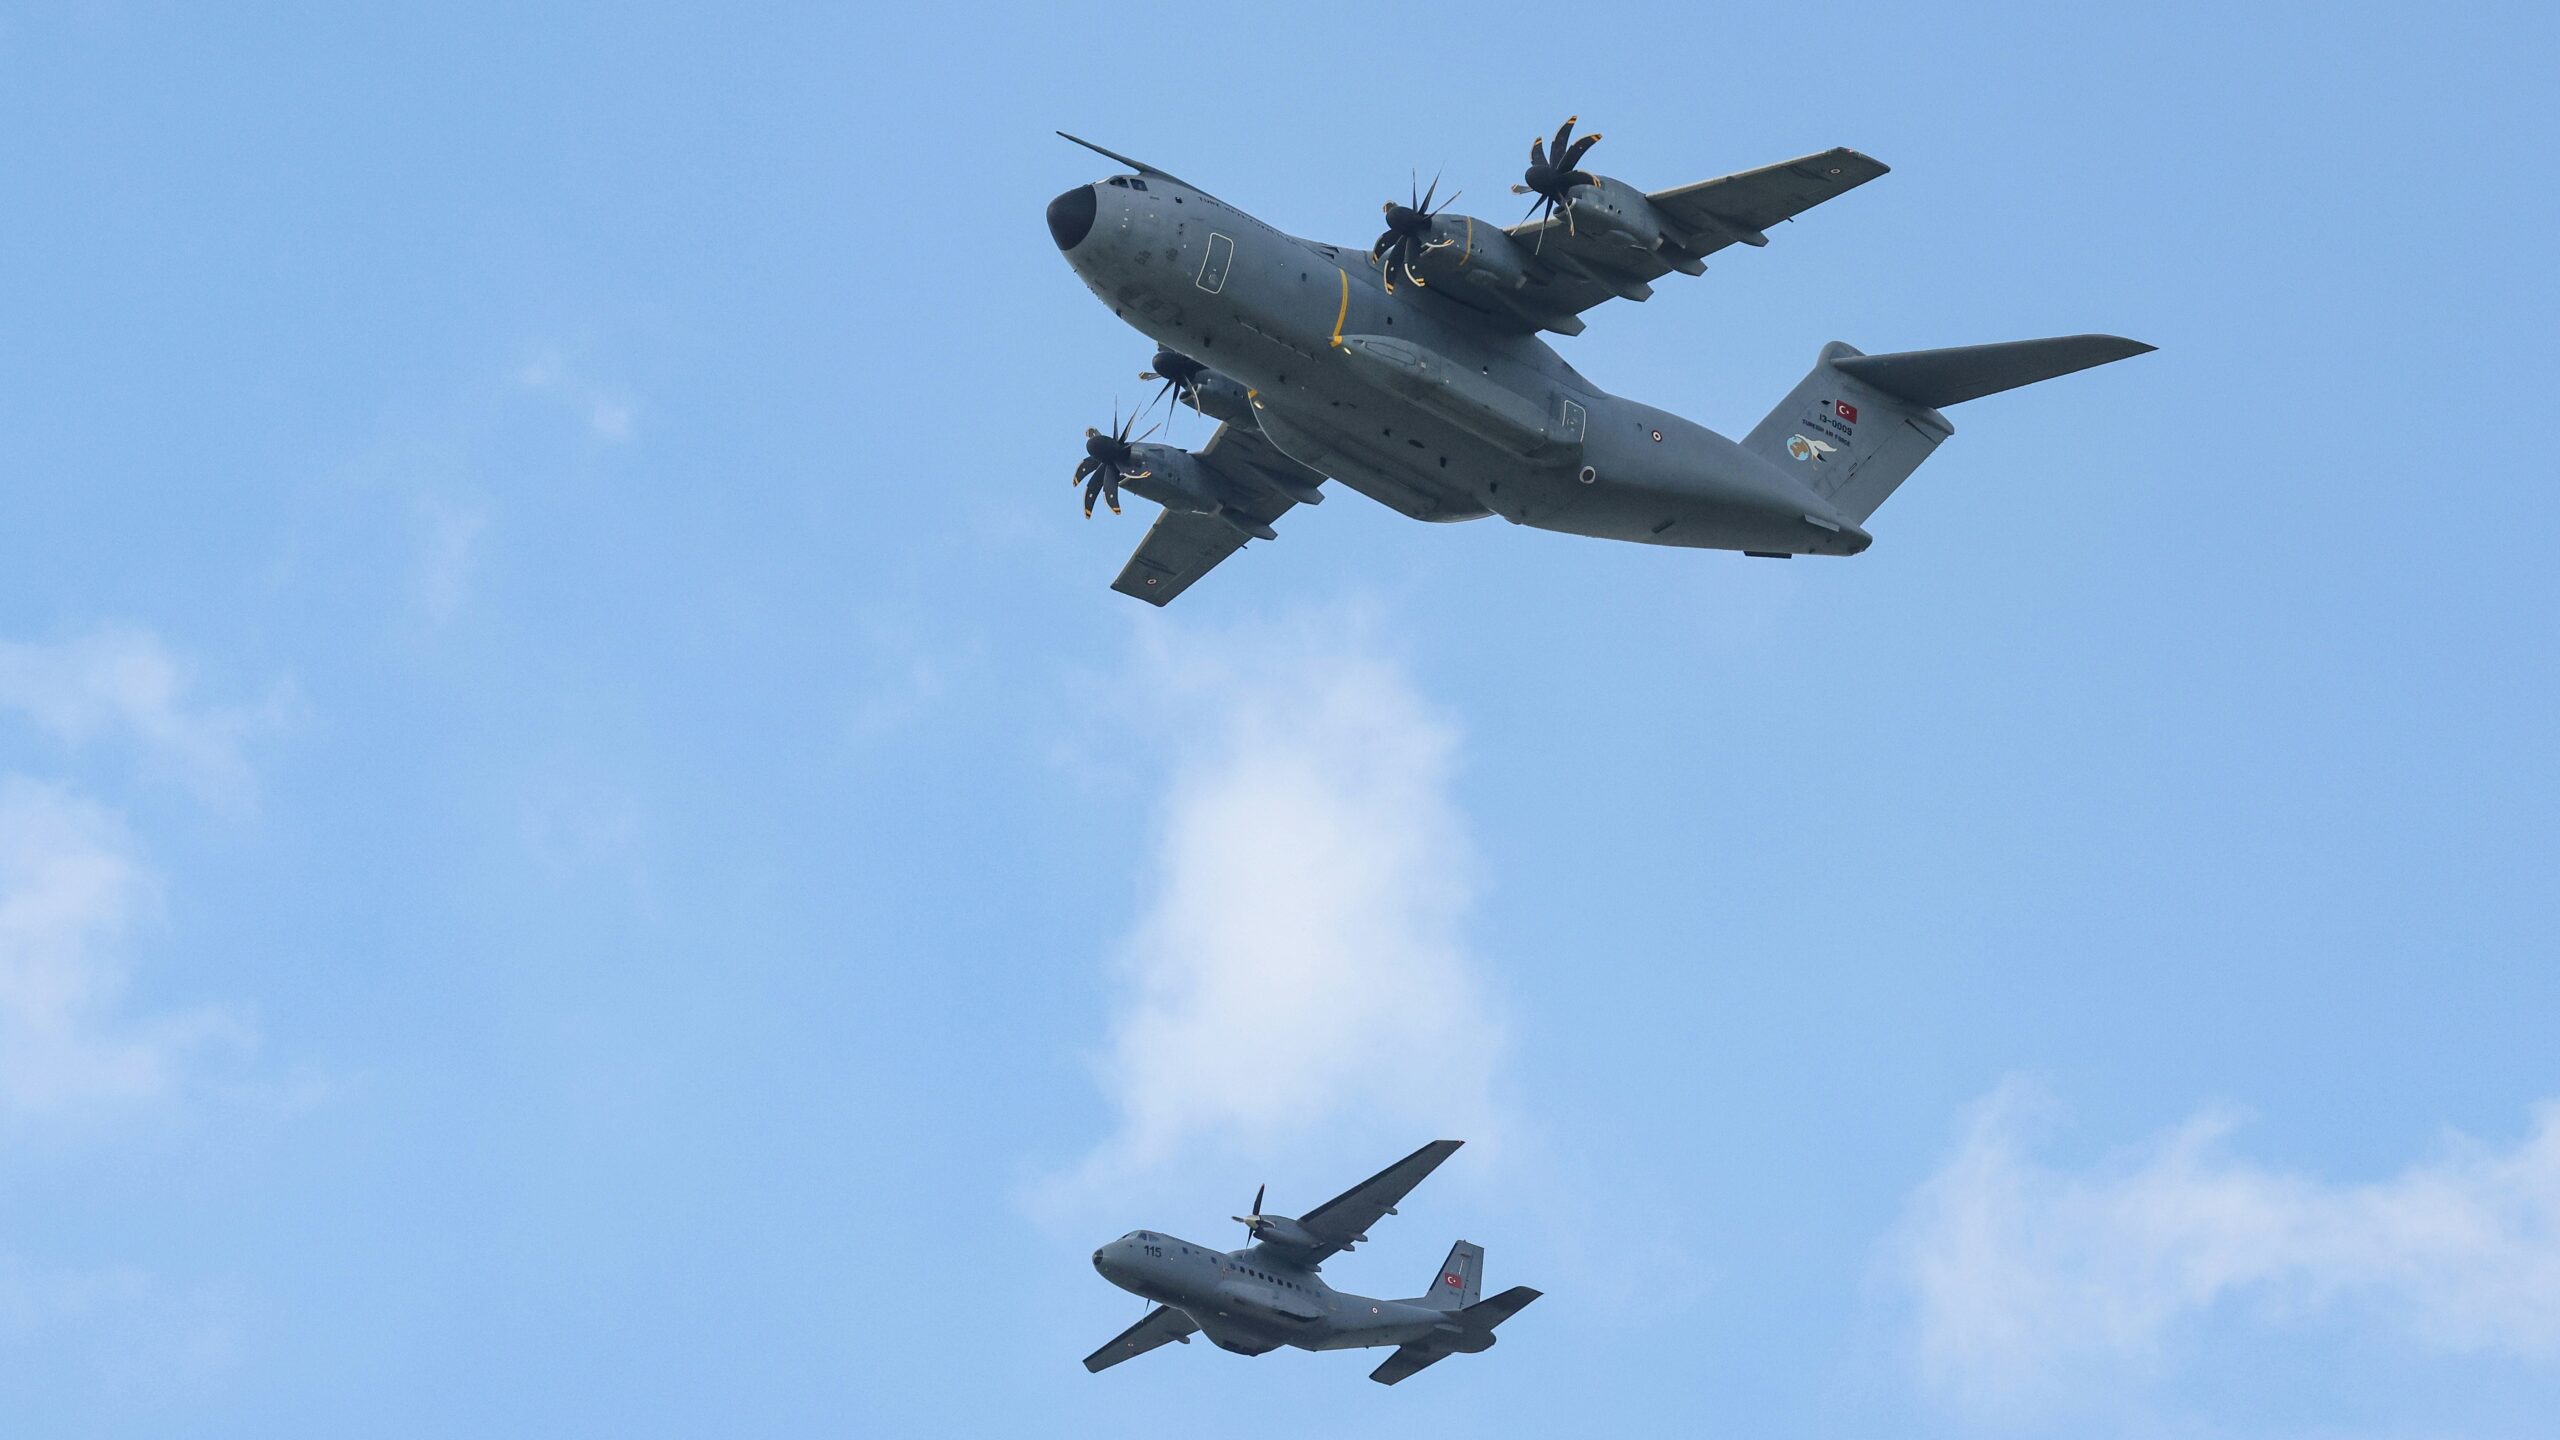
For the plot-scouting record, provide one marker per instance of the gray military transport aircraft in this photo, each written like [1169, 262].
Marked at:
[1435, 396]
[1257, 1299]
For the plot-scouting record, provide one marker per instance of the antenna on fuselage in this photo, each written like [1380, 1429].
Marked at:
[1141, 166]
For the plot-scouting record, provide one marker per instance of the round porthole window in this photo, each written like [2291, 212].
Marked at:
[1657, 437]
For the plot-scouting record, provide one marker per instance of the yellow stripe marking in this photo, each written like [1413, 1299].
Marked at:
[1343, 314]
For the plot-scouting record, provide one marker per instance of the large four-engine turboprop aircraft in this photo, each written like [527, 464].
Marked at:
[1414, 373]
[1257, 1299]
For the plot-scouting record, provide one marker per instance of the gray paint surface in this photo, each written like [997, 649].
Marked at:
[1433, 393]
[1270, 1294]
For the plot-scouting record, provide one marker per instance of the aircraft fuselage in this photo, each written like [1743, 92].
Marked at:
[1414, 399]
[1251, 1301]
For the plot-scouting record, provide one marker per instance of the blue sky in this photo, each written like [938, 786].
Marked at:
[583, 848]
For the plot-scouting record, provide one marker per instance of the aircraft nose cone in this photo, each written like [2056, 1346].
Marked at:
[1071, 217]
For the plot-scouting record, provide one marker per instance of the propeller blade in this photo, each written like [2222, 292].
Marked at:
[1257, 1201]
[1564, 133]
[1581, 147]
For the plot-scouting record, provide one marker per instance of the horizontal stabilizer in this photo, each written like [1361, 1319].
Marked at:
[1489, 1313]
[1936, 378]
[1406, 1360]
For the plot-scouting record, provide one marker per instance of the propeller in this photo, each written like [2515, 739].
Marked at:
[1181, 376]
[1408, 235]
[1109, 462]
[1253, 1223]
[1554, 169]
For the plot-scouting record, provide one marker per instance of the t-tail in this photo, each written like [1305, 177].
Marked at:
[1860, 424]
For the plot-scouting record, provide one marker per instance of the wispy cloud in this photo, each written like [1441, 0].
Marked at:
[607, 413]
[2035, 1285]
[71, 890]
[119, 681]
[448, 551]
[117, 1328]
[1299, 964]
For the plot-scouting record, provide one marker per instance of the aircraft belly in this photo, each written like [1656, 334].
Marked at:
[1229, 1333]
[1372, 468]
[1661, 480]
[1363, 1332]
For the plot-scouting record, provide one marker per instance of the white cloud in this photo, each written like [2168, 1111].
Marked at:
[70, 890]
[447, 552]
[124, 681]
[2035, 1284]
[607, 414]
[1299, 966]
[117, 1328]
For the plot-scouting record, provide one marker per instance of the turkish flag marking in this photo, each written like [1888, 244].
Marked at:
[1452, 1281]
[1847, 411]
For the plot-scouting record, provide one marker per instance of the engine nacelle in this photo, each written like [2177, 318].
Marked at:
[1176, 480]
[1621, 212]
[1476, 253]
[1223, 399]
[1287, 1234]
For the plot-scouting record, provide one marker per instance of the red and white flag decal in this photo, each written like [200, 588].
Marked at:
[1451, 1280]
[1847, 411]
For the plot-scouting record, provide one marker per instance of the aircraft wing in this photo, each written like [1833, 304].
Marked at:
[1736, 209]
[1163, 1326]
[1346, 1218]
[1184, 545]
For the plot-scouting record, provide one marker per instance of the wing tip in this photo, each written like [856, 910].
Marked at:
[2115, 347]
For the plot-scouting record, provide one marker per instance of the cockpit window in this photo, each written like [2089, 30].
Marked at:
[1122, 181]
[1137, 184]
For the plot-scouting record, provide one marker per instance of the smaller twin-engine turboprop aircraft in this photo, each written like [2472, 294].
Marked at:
[1413, 371]
[1268, 1295]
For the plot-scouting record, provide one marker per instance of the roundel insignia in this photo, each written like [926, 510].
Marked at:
[1452, 1281]
[1657, 437]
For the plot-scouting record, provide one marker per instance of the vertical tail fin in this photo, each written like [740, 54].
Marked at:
[1860, 424]
[1461, 1278]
